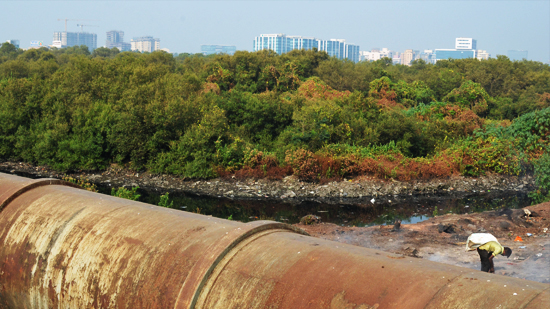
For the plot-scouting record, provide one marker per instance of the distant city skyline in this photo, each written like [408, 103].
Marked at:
[184, 26]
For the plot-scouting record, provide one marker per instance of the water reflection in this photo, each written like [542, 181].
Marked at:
[348, 212]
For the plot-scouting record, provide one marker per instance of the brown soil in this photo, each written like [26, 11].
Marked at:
[442, 239]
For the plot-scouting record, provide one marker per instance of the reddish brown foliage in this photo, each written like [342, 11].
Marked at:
[313, 89]
[386, 99]
[308, 166]
[211, 87]
[544, 100]
[460, 119]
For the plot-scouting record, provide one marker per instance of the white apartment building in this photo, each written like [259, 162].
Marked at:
[482, 55]
[465, 43]
[145, 44]
[407, 57]
[375, 54]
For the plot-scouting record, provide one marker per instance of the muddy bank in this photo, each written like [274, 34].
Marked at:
[442, 239]
[288, 189]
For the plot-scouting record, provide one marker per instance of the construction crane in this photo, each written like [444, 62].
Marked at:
[81, 26]
[66, 19]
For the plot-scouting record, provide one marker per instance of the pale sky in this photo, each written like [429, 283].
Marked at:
[183, 26]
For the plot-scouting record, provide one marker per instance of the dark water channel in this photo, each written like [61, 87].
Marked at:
[348, 212]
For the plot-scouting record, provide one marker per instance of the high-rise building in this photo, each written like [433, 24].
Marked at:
[482, 55]
[14, 43]
[428, 56]
[116, 39]
[445, 54]
[465, 43]
[281, 43]
[68, 39]
[464, 48]
[375, 54]
[299, 42]
[218, 49]
[517, 55]
[396, 59]
[274, 42]
[407, 57]
[145, 44]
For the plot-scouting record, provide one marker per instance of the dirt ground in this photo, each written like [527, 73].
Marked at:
[443, 239]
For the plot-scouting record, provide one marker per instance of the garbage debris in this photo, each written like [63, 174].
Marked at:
[522, 247]
[310, 219]
[529, 234]
[447, 228]
[518, 238]
[539, 254]
[372, 201]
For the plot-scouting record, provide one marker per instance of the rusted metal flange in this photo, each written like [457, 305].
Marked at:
[62, 247]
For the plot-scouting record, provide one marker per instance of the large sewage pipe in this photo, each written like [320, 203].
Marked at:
[64, 247]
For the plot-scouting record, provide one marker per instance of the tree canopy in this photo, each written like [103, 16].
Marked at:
[267, 115]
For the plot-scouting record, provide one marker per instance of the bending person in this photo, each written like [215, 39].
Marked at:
[487, 247]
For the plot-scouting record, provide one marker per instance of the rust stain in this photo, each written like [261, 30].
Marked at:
[61, 247]
[395, 257]
[339, 301]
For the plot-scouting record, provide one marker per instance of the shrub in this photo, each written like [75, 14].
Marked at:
[125, 193]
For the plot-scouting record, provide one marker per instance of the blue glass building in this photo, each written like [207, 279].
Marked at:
[445, 54]
[281, 43]
[517, 55]
[218, 49]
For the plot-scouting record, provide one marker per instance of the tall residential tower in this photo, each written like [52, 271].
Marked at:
[116, 39]
[63, 39]
[145, 44]
[281, 43]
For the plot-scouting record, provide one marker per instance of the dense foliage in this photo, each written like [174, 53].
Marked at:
[267, 115]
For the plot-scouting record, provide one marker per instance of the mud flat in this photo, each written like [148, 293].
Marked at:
[442, 239]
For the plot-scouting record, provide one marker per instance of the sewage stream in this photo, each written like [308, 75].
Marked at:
[341, 211]
[345, 212]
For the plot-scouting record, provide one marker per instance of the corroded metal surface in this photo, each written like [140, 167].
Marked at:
[62, 247]
[305, 272]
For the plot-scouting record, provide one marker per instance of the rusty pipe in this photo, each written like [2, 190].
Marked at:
[63, 247]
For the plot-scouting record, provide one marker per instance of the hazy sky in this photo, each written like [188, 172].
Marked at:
[183, 26]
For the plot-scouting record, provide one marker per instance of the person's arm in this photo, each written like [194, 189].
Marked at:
[492, 268]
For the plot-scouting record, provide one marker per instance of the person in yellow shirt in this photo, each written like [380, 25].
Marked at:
[488, 251]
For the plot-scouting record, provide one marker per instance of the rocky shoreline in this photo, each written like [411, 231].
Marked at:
[289, 189]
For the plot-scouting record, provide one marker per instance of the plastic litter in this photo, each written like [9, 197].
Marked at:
[522, 247]
[518, 238]
[529, 234]
[539, 254]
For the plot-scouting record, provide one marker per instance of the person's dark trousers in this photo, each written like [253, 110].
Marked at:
[485, 262]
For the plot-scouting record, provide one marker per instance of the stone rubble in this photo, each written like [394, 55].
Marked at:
[289, 188]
